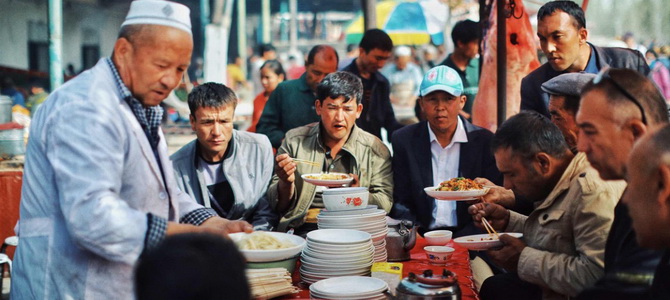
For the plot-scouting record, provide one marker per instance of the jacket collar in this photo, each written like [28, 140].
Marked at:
[303, 86]
[353, 68]
[577, 166]
[348, 146]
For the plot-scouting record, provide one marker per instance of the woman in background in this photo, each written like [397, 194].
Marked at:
[272, 73]
[659, 73]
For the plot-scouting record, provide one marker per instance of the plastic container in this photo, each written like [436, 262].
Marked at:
[11, 143]
[5, 109]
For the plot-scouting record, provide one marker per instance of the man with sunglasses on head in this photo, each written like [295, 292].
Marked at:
[617, 108]
[562, 31]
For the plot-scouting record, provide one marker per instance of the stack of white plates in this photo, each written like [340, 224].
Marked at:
[336, 252]
[369, 219]
[349, 287]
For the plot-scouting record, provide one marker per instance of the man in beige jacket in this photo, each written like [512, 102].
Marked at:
[335, 144]
[562, 249]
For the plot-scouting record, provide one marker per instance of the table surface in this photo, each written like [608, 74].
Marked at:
[459, 263]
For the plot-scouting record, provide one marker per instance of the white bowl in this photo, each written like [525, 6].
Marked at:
[338, 236]
[275, 254]
[438, 237]
[438, 255]
[346, 198]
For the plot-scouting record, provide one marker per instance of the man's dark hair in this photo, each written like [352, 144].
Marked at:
[192, 266]
[316, 50]
[466, 31]
[340, 84]
[211, 94]
[376, 39]
[274, 66]
[644, 90]
[529, 133]
[262, 48]
[568, 7]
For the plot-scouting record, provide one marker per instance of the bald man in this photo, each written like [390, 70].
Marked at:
[291, 105]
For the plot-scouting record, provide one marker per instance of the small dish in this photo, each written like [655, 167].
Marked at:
[438, 237]
[438, 255]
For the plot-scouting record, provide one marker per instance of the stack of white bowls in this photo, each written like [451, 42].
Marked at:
[349, 287]
[336, 252]
[369, 219]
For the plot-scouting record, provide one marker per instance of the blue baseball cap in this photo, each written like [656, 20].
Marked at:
[442, 78]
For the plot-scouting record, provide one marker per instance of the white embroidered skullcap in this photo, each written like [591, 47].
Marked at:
[402, 51]
[159, 12]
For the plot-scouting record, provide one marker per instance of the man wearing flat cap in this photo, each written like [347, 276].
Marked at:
[98, 187]
[563, 91]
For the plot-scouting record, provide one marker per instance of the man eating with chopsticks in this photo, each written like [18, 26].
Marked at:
[334, 144]
[564, 238]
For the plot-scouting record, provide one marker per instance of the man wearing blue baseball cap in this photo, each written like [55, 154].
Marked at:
[438, 149]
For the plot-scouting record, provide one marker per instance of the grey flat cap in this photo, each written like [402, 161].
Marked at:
[568, 84]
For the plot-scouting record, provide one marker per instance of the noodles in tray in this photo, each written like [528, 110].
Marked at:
[459, 184]
[262, 241]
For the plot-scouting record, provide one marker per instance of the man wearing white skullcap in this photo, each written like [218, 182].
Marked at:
[99, 189]
[404, 77]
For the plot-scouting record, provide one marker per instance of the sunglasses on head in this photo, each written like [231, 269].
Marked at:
[604, 74]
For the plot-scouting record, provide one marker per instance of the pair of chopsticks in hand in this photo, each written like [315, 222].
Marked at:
[492, 232]
[302, 161]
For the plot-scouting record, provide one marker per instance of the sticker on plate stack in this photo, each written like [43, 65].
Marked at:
[369, 219]
[336, 252]
[349, 287]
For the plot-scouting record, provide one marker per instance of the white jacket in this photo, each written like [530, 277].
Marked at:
[90, 179]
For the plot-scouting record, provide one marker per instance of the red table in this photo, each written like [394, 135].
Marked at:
[459, 264]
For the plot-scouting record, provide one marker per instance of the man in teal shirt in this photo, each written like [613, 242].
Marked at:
[466, 36]
[292, 104]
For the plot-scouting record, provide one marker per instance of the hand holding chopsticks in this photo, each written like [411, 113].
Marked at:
[307, 162]
[494, 213]
[489, 228]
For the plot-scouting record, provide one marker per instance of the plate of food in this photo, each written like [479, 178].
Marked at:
[457, 189]
[328, 179]
[261, 246]
[483, 241]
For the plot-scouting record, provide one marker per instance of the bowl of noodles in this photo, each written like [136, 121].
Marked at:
[261, 246]
[457, 189]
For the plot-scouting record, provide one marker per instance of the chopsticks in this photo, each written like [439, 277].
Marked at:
[302, 161]
[489, 228]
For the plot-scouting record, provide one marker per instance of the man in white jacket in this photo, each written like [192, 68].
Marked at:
[98, 186]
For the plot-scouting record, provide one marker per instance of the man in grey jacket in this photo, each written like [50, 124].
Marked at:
[225, 169]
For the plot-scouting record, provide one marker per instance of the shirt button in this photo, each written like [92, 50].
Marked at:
[162, 195]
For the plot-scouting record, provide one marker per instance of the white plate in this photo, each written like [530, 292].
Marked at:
[328, 183]
[349, 286]
[475, 242]
[455, 195]
[340, 262]
[358, 211]
[338, 236]
[271, 255]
